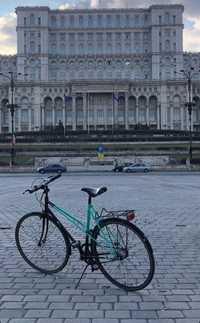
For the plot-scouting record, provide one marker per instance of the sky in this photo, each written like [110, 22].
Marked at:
[191, 36]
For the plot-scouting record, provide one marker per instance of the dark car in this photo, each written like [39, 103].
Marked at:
[52, 168]
[120, 168]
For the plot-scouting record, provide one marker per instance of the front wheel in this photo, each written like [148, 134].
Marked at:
[42, 243]
[123, 254]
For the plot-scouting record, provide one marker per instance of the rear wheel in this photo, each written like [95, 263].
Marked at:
[123, 254]
[42, 243]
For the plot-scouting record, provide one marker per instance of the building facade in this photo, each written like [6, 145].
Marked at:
[99, 69]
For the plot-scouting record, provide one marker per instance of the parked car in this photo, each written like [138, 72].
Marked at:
[119, 168]
[52, 168]
[137, 168]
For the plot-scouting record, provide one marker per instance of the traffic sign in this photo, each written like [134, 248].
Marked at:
[100, 149]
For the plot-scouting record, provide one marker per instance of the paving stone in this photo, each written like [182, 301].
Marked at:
[38, 313]
[170, 314]
[125, 306]
[143, 314]
[192, 313]
[118, 314]
[64, 314]
[34, 298]
[50, 320]
[77, 321]
[10, 313]
[58, 298]
[90, 314]
[11, 305]
[36, 305]
[86, 306]
[21, 321]
[59, 305]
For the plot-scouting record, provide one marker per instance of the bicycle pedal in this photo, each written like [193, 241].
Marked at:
[95, 267]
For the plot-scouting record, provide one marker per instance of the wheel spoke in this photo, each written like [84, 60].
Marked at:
[52, 254]
[132, 266]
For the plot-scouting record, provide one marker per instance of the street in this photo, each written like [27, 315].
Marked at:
[167, 210]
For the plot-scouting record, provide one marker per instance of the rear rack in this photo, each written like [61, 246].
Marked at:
[112, 213]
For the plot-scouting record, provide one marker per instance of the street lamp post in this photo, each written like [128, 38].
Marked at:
[189, 105]
[12, 107]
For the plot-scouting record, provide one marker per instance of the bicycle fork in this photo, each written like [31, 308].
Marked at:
[44, 232]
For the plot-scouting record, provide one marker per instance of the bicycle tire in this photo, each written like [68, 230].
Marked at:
[133, 278]
[52, 255]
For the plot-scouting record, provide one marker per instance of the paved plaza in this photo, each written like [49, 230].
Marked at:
[168, 211]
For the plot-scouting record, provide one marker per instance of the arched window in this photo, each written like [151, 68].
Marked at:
[48, 118]
[153, 109]
[24, 113]
[121, 110]
[177, 112]
[58, 110]
[142, 107]
[4, 115]
[196, 110]
[53, 21]
[132, 109]
[79, 110]
[167, 45]
[32, 19]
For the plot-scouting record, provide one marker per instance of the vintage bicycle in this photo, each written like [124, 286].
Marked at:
[112, 243]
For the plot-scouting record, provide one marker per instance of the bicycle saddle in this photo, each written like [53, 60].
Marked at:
[93, 192]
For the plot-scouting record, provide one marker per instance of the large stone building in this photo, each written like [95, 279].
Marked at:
[98, 69]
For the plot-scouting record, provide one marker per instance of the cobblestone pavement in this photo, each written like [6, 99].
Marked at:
[168, 211]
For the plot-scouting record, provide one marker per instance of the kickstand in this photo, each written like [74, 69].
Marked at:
[84, 270]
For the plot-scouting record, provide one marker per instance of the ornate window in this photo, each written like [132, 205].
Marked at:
[32, 19]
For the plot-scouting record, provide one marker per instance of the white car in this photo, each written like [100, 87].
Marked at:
[136, 168]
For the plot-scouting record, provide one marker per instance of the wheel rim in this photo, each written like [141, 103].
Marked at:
[129, 268]
[49, 257]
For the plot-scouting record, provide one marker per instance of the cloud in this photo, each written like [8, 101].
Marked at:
[8, 34]
[81, 4]
[191, 38]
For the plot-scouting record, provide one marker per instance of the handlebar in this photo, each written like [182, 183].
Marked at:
[42, 186]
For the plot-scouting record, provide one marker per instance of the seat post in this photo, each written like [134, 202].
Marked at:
[89, 199]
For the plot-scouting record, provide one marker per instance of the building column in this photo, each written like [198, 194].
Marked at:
[0, 121]
[158, 116]
[115, 112]
[29, 119]
[64, 116]
[9, 121]
[53, 115]
[105, 117]
[74, 112]
[147, 113]
[137, 112]
[192, 120]
[43, 117]
[19, 119]
[38, 119]
[182, 118]
[126, 111]
[171, 117]
[95, 116]
[84, 111]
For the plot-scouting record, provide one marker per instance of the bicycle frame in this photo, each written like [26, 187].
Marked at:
[80, 225]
